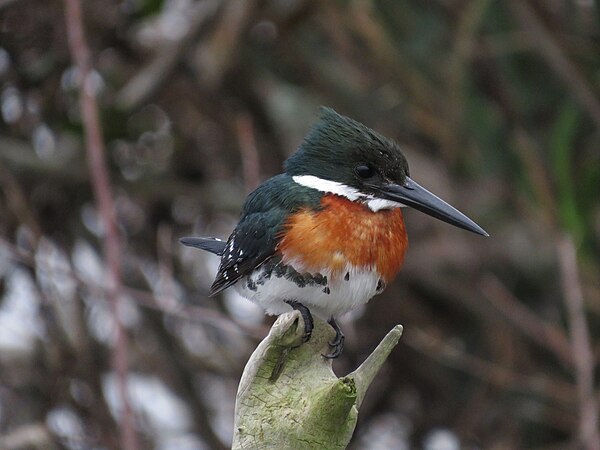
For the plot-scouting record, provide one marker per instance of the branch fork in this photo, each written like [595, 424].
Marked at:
[290, 398]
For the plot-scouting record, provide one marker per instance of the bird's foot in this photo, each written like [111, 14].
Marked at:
[338, 340]
[306, 317]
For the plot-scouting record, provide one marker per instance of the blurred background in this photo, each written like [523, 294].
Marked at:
[497, 105]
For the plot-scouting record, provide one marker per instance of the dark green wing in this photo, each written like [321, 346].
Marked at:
[256, 236]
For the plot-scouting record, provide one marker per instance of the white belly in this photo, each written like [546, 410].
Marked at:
[330, 297]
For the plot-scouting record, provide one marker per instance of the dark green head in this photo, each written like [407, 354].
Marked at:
[341, 149]
[344, 157]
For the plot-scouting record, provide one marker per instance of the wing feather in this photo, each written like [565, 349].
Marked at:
[256, 236]
[213, 245]
[252, 242]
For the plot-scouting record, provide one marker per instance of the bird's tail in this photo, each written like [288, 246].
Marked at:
[213, 245]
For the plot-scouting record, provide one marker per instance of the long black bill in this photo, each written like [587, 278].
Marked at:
[417, 197]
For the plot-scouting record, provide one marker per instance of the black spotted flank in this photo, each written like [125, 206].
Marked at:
[275, 268]
[327, 290]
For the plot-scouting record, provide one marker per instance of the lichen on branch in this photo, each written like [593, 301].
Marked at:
[290, 398]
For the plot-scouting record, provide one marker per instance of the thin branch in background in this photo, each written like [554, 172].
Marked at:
[35, 435]
[16, 201]
[526, 320]
[466, 36]
[102, 191]
[176, 365]
[556, 58]
[148, 299]
[425, 110]
[150, 78]
[196, 313]
[444, 352]
[164, 254]
[247, 142]
[531, 157]
[213, 56]
[580, 344]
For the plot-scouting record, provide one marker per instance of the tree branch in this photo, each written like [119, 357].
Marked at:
[556, 58]
[289, 397]
[102, 190]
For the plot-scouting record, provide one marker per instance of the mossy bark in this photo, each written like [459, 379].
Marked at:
[289, 397]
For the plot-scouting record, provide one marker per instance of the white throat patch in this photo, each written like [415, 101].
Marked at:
[334, 187]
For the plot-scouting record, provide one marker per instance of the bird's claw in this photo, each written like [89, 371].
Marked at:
[338, 340]
[306, 318]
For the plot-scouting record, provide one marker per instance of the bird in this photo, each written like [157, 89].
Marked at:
[327, 234]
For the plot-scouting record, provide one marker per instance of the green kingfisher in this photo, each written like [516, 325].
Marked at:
[326, 235]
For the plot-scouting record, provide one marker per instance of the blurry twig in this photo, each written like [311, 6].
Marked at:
[425, 107]
[196, 313]
[539, 179]
[17, 203]
[60, 350]
[525, 320]
[513, 311]
[501, 44]
[466, 36]
[213, 56]
[150, 77]
[580, 343]
[6, 3]
[247, 143]
[442, 351]
[149, 299]
[556, 58]
[32, 436]
[102, 190]
[179, 372]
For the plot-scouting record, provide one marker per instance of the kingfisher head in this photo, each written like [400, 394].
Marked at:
[342, 156]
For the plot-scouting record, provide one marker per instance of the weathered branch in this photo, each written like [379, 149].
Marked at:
[289, 397]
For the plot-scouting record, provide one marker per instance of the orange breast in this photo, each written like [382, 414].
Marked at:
[346, 232]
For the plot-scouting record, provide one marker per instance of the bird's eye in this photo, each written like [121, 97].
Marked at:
[364, 171]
